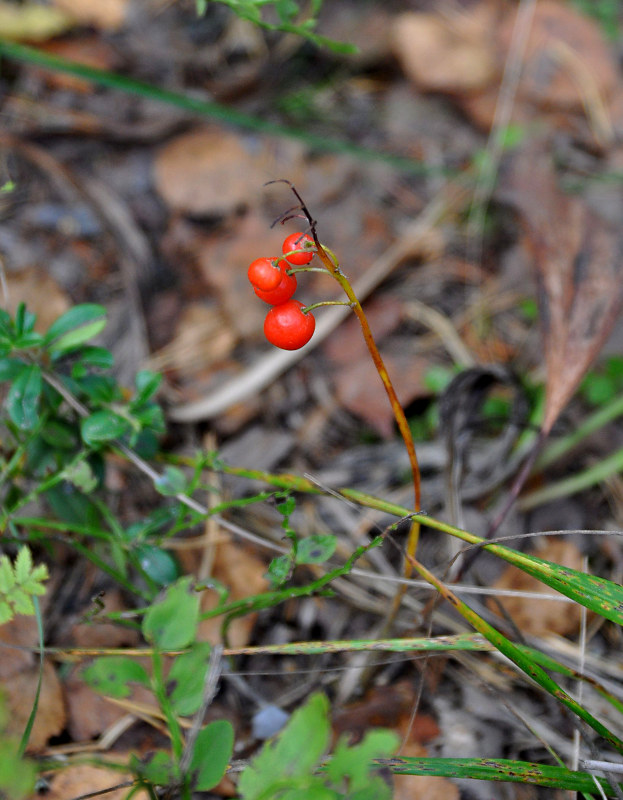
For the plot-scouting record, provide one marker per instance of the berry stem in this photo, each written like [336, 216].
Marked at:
[313, 306]
[331, 263]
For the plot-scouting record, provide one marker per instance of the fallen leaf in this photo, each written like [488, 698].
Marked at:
[567, 68]
[89, 713]
[20, 692]
[577, 257]
[107, 15]
[446, 53]
[41, 293]
[16, 639]
[85, 779]
[91, 51]
[536, 617]
[213, 172]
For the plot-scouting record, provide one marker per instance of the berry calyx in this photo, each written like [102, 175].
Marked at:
[287, 327]
[283, 291]
[264, 274]
[299, 241]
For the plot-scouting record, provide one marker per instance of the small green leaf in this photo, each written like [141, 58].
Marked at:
[156, 768]
[5, 612]
[22, 602]
[171, 622]
[23, 564]
[80, 475]
[294, 752]
[278, 570]
[10, 368]
[103, 426]
[316, 549]
[112, 675]
[186, 678]
[75, 327]
[286, 506]
[99, 357]
[147, 384]
[356, 763]
[213, 750]
[7, 576]
[23, 397]
[159, 564]
[172, 482]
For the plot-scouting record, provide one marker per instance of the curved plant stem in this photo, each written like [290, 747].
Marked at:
[330, 262]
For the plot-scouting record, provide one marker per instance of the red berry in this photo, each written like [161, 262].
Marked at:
[264, 274]
[287, 327]
[283, 292]
[299, 241]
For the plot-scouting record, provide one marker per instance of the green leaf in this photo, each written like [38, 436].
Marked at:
[7, 576]
[103, 426]
[295, 751]
[23, 564]
[112, 675]
[23, 397]
[186, 678]
[172, 482]
[278, 570]
[10, 368]
[59, 435]
[171, 623]
[80, 475]
[156, 768]
[356, 763]
[213, 750]
[75, 327]
[22, 602]
[147, 384]
[5, 612]
[159, 564]
[316, 549]
[100, 357]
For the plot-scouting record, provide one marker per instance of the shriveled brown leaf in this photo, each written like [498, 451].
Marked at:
[440, 53]
[539, 617]
[20, 690]
[213, 172]
[82, 779]
[108, 15]
[577, 258]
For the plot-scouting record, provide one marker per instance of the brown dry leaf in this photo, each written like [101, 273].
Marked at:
[88, 50]
[20, 690]
[540, 617]
[84, 779]
[214, 172]
[243, 572]
[357, 383]
[387, 707]
[202, 338]
[89, 714]
[567, 67]
[577, 260]
[41, 293]
[16, 637]
[107, 15]
[105, 634]
[447, 53]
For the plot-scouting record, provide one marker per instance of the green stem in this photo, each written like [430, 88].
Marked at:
[314, 306]
[206, 108]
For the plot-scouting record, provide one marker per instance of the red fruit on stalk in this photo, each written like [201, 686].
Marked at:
[264, 274]
[287, 327]
[299, 241]
[283, 291]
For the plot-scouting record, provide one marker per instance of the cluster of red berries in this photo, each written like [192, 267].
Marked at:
[286, 325]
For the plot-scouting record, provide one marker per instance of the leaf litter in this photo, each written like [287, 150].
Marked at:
[195, 196]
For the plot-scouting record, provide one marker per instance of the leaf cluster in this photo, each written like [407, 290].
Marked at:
[19, 583]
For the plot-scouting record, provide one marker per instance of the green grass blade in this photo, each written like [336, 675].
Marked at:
[33, 712]
[499, 769]
[518, 656]
[207, 108]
